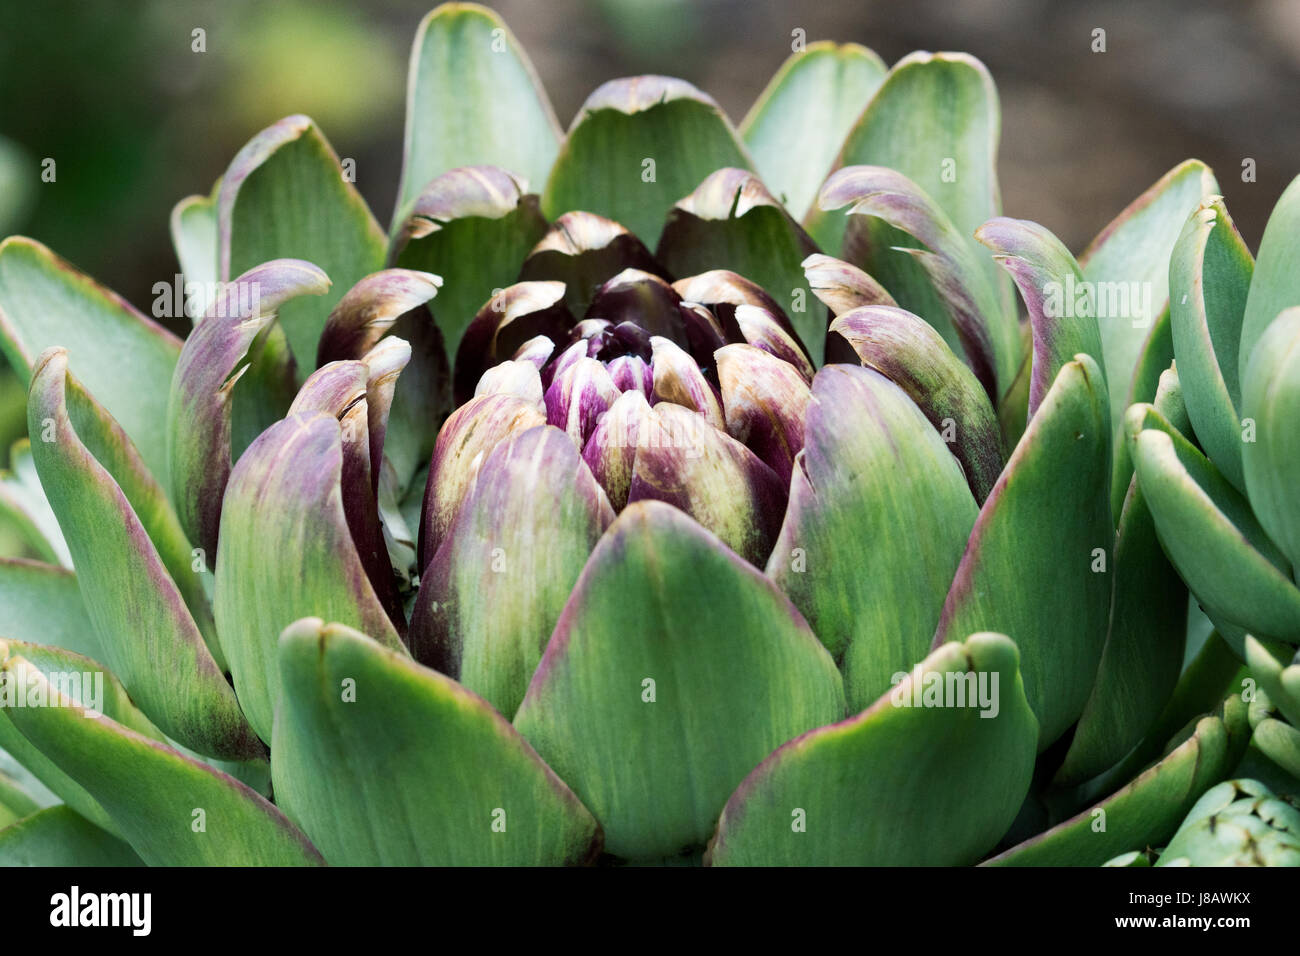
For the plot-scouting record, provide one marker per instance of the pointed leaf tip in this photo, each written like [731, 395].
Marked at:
[137, 609]
[473, 99]
[202, 436]
[860, 792]
[661, 609]
[432, 743]
[636, 146]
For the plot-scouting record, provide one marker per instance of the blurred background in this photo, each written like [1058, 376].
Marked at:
[136, 120]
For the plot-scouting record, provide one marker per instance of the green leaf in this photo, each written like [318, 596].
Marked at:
[964, 307]
[1013, 406]
[1148, 810]
[15, 802]
[675, 668]
[59, 836]
[493, 592]
[636, 147]
[1276, 283]
[285, 196]
[473, 99]
[41, 603]
[1279, 742]
[1033, 568]
[1279, 677]
[1255, 765]
[918, 779]
[932, 107]
[731, 218]
[211, 419]
[1211, 535]
[134, 602]
[1063, 322]
[473, 227]
[287, 551]
[111, 449]
[872, 471]
[415, 769]
[1154, 361]
[1271, 460]
[936, 120]
[796, 126]
[1144, 646]
[1211, 672]
[196, 240]
[84, 680]
[1209, 279]
[24, 505]
[45, 302]
[1130, 259]
[156, 797]
[23, 779]
[905, 349]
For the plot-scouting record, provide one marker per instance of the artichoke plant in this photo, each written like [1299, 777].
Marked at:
[711, 503]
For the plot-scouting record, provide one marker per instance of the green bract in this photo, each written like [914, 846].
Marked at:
[659, 491]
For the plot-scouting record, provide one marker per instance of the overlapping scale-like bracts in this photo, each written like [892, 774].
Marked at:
[714, 345]
[641, 484]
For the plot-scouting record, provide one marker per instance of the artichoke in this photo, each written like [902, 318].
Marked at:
[503, 537]
[1223, 500]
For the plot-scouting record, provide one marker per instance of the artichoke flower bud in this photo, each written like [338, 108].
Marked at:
[632, 373]
[514, 377]
[763, 329]
[578, 396]
[535, 351]
[511, 318]
[1237, 823]
[629, 367]
[678, 379]
[644, 299]
[466, 437]
[582, 250]
[765, 401]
